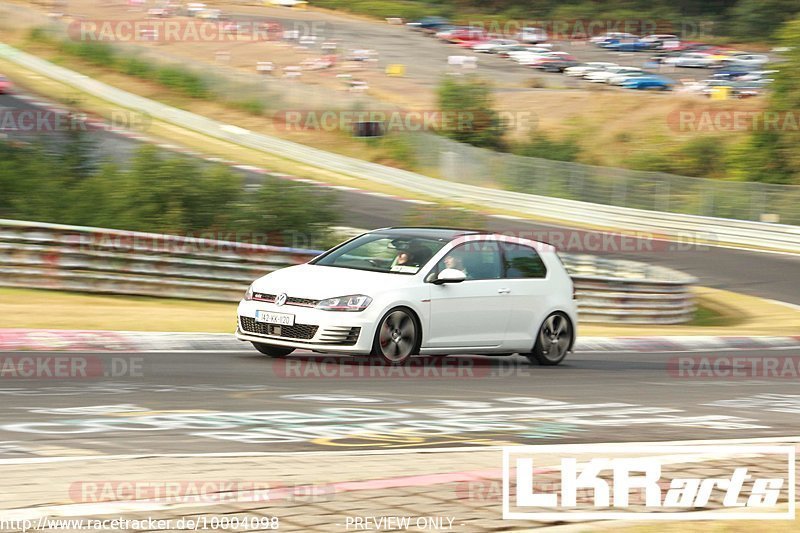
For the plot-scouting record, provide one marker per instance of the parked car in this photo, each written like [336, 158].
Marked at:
[532, 35]
[655, 37]
[692, 59]
[492, 45]
[5, 85]
[610, 36]
[602, 76]
[554, 64]
[508, 49]
[467, 35]
[581, 70]
[520, 56]
[209, 14]
[748, 61]
[529, 59]
[444, 32]
[665, 41]
[649, 82]
[631, 46]
[429, 24]
[622, 76]
[397, 292]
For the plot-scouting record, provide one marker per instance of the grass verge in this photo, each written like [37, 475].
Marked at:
[722, 313]
[31, 308]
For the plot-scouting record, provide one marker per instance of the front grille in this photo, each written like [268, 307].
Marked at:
[303, 302]
[298, 331]
[341, 335]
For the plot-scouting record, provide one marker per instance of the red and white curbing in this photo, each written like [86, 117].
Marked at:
[53, 340]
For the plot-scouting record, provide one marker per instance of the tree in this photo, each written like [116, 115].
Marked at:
[772, 154]
[753, 20]
[289, 214]
[467, 114]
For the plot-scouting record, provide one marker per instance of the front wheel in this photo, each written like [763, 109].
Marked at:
[553, 341]
[271, 350]
[397, 337]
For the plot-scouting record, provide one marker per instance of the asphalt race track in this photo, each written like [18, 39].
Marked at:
[242, 401]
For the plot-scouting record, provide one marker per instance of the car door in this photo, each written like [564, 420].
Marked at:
[474, 312]
[530, 293]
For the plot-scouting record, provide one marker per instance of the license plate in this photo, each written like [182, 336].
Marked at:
[281, 319]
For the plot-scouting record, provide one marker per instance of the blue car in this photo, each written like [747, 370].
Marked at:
[631, 46]
[649, 82]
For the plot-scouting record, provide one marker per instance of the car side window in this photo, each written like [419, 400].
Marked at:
[477, 259]
[520, 261]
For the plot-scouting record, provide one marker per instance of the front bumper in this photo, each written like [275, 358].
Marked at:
[314, 329]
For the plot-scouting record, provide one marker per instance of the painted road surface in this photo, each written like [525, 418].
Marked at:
[246, 402]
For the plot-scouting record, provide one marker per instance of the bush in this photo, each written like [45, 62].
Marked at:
[155, 192]
[252, 106]
[546, 148]
[133, 66]
[468, 115]
[183, 81]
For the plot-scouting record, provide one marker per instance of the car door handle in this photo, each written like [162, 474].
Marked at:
[503, 291]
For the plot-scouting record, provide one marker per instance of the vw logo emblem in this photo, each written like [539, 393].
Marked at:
[280, 299]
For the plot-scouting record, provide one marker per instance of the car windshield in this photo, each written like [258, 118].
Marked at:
[375, 252]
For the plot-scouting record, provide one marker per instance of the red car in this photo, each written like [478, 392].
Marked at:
[5, 85]
[467, 35]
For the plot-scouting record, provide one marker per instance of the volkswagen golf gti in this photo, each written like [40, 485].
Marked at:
[398, 292]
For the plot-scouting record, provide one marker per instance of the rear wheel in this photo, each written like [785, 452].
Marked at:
[553, 341]
[271, 350]
[397, 337]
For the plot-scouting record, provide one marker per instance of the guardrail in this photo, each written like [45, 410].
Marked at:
[84, 259]
[713, 230]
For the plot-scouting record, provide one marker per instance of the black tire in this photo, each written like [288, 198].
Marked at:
[271, 350]
[397, 337]
[553, 341]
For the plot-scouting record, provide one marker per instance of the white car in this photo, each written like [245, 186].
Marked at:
[532, 35]
[579, 71]
[602, 76]
[612, 35]
[621, 76]
[398, 292]
[692, 59]
[750, 61]
[518, 55]
[488, 47]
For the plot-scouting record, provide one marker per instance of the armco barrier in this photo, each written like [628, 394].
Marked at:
[709, 229]
[76, 258]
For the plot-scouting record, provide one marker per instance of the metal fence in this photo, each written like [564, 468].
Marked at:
[441, 157]
[75, 258]
[655, 191]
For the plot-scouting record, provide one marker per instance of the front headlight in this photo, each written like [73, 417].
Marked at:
[354, 302]
[249, 294]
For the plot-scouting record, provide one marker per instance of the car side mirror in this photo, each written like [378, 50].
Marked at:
[450, 275]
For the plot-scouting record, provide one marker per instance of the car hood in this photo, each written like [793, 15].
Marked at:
[320, 282]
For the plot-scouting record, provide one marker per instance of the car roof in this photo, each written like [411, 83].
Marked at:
[439, 233]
